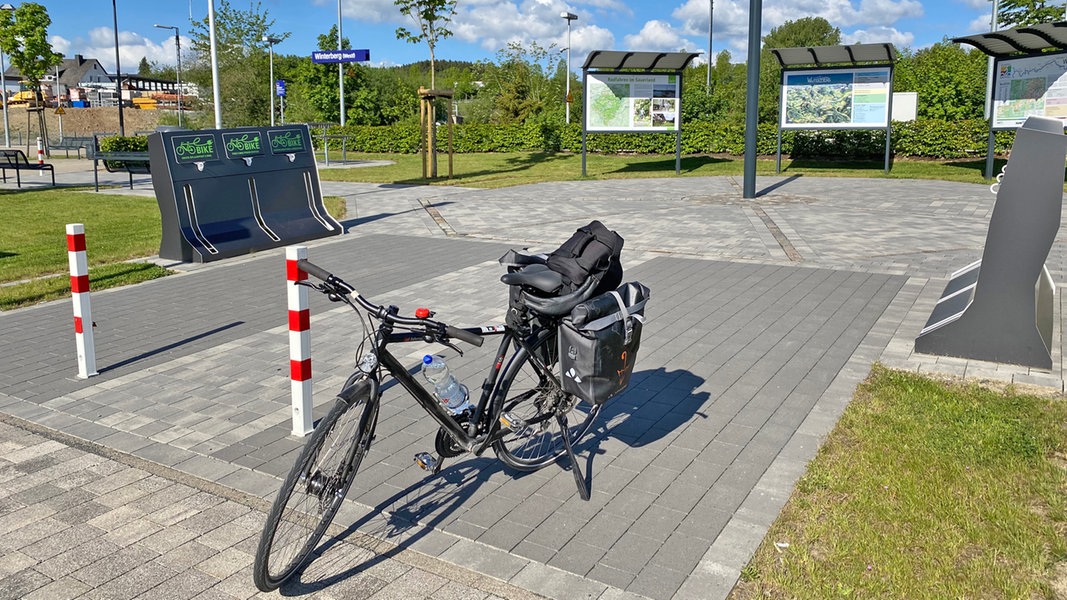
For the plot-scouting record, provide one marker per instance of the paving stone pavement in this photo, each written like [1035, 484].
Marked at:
[764, 316]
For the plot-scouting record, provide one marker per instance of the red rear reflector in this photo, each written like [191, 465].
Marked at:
[422, 313]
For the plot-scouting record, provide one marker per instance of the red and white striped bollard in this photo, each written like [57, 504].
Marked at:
[40, 155]
[79, 288]
[299, 341]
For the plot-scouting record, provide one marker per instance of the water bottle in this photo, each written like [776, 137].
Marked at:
[449, 391]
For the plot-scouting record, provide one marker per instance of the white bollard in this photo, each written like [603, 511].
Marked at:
[40, 155]
[79, 288]
[299, 341]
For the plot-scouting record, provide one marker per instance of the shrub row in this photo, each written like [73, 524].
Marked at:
[927, 138]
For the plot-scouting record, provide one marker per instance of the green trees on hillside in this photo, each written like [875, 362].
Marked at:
[526, 83]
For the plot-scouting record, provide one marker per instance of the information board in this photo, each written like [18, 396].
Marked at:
[1031, 86]
[632, 102]
[835, 98]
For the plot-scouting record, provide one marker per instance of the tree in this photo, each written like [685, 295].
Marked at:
[23, 37]
[144, 68]
[1015, 13]
[949, 80]
[432, 18]
[242, 60]
[809, 31]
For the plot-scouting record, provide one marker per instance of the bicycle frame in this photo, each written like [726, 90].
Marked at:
[481, 433]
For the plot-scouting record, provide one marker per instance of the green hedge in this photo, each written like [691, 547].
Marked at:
[117, 143]
[927, 138]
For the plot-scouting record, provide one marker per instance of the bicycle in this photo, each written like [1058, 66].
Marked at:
[522, 413]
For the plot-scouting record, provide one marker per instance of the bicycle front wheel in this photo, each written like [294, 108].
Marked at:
[532, 397]
[315, 487]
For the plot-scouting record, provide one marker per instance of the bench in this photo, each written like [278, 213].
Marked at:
[114, 162]
[16, 161]
[73, 143]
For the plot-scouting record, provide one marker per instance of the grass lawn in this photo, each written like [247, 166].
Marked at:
[518, 168]
[926, 490]
[118, 229]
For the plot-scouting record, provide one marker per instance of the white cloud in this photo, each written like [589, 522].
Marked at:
[370, 11]
[132, 48]
[878, 35]
[658, 36]
[493, 24]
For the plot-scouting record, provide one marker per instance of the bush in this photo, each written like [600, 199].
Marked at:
[928, 138]
[117, 143]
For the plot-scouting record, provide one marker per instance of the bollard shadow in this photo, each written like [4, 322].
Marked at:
[172, 346]
[350, 223]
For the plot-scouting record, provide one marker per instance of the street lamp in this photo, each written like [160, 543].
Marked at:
[340, 66]
[3, 85]
[270, 44]
[178, 52]
[569, 17]
[711, 55]
[118, 68]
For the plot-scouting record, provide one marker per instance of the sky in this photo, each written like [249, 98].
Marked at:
[481, 28]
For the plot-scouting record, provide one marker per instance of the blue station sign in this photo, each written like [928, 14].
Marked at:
[340, 56]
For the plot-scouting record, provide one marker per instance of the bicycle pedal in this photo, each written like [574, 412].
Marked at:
[426, 462]
[512, 422]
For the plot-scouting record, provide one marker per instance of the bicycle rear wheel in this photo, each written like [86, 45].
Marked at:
[315, 487]
[532, 396]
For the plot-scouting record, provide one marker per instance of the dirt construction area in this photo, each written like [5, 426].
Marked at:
[77, 122]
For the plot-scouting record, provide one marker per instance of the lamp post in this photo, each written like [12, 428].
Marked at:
[3, 85]
[270, 44]
[178, 53]
[711, 55]
[340, 67]
[569, 17]
[216, 95]
[118, 68]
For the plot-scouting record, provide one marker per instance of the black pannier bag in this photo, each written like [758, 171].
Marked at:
[598, 343]
[593, 250]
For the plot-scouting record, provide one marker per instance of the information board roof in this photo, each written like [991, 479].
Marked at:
[852, 54]
[1031, 39]
[648, 61]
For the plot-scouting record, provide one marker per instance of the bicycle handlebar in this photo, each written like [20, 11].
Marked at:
[432, 327]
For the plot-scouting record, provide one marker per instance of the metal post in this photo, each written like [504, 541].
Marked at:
[178, 78]
[216, 95]
[755, 12]
[178, 55]
[3, 85]
[569, 17]
[711, 55]
[340, 67]
[270, 46]
[118, 68]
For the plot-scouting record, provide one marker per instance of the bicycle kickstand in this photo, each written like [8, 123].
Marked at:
[579, 479]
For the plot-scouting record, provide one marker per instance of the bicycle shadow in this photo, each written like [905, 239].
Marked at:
[657, 403]
[354, 560]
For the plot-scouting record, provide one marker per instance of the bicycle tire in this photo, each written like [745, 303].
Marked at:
[308, 499]
[531, 392]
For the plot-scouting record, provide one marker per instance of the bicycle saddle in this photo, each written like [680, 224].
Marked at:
[539, 277]
[539, 286]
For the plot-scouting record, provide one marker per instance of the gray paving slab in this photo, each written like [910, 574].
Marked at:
[765, 315]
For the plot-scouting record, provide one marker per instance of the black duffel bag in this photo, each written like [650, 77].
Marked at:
[598, 343]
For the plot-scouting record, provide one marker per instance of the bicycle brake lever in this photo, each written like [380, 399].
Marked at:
[444, 342]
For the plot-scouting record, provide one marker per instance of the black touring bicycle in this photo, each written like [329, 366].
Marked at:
[569, 343]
